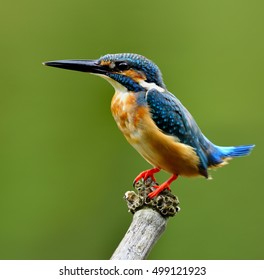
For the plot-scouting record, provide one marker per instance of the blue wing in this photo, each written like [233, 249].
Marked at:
[173, 118]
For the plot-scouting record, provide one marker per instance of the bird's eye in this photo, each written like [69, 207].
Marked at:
[122, 66]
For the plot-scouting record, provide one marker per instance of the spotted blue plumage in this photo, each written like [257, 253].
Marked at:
[173, 118]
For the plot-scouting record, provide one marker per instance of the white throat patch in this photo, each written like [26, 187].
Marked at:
[117, 86]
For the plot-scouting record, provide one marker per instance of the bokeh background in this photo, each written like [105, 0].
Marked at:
[64, 166]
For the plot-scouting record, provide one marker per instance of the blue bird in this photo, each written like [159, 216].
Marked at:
[153, 120]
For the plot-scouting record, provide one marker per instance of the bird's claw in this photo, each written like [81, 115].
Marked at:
[146, 174]
[153, 194]
[158, 190]
[162, 187]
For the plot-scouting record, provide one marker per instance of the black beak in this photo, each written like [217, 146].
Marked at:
[90, 66]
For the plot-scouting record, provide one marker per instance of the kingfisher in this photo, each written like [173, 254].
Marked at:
[153, 120]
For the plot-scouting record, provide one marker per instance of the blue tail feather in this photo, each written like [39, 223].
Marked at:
[236, 151]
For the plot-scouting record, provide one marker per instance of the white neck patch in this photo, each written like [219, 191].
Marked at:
[149, 86]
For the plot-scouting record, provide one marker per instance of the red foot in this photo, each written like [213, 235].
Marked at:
[145, 174]
[165, 185]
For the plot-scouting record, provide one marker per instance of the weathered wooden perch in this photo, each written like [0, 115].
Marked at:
[149, 221]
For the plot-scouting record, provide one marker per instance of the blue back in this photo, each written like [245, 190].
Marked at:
[174, 119]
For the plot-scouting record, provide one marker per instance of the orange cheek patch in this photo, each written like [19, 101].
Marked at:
[136, 76]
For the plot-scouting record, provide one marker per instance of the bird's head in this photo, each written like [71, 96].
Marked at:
[125, 71]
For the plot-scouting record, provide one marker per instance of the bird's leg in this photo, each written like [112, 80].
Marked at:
[165, 185]
[147, 173]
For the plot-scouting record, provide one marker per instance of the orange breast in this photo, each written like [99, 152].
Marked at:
[159, 149]
[127, 114]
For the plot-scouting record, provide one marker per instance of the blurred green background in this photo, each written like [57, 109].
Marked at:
[64, 166]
